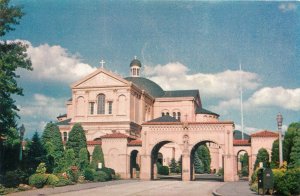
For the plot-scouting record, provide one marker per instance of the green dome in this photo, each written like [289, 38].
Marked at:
[147, 85]
[135, 62]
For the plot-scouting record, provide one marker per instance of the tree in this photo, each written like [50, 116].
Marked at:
[77, 139]
[12, 56]
[295, 152]
[288, 141]
[173, 166]
[275, 154]
[52, 142]
[35, 152]
[198, 164]
[83, 159]
[204, 156]
[97, 157]
[262, 156]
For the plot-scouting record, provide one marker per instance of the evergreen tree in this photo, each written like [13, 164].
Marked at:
[295, 152]
[198, 164]
[179, 165]
[262, 156]
[275, 154]
[12, 151]
[52, 142]
[83, 159]
[77, 139]
[35, 152]
[173, 166]
[97, 157]
[12, 56]
[204, 156]
[288, 141]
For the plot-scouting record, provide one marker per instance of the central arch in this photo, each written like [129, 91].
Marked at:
[210, 175]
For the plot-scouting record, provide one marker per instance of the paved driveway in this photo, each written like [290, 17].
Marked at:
[140, 188]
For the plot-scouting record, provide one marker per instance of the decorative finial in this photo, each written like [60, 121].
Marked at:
[135, 57]
[102, 63]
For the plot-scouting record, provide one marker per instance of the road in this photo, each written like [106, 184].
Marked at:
[161, 187]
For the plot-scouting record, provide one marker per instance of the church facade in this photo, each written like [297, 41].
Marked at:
[139, 123]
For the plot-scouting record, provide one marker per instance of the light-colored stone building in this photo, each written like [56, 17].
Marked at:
[137, 122]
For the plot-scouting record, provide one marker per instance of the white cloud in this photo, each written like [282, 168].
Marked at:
[286, 7]
[225, 106]
[277, 96]
[248, 130]
[55, 63]
[174, 76]
[41, 106]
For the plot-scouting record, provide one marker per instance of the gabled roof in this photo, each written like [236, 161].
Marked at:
[165, 118]
[135, 143]
[241, 142]
[182, 93]
[64, 122]
[117, 135]
[62, 115]
[264, 133]
[204, 111]
[95, 142]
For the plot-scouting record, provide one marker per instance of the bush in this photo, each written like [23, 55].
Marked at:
[289, 183]
[38, 180]
[245, 171]
[52, 180]
[89, 174]
[163, 170]
[254, 187]
[101, 176]
[118, 176]
[63, 181]
[11, 179]
[41, 169]
[220, 172]
[73, 174]
[109, 172]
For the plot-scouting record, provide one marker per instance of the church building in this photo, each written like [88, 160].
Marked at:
[137, 122]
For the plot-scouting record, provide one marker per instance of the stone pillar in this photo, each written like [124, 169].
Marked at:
[186, 175]
[145, 167]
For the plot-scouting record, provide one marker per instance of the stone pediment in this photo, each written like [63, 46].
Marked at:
[100, 78]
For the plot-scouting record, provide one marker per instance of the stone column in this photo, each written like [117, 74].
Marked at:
[186, 175]
[145, 172]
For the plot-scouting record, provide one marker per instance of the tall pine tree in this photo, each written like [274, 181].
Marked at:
[275, 154]
[204, 156]
[77, 139]
[262, 156]
[295, 152]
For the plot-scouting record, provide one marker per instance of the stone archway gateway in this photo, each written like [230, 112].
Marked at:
[187, 136]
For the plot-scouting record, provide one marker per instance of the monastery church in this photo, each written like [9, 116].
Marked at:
[137, 123]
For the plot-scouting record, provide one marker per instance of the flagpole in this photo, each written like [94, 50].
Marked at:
[241, 100]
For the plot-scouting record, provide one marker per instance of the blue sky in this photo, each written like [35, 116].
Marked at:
[182, 45]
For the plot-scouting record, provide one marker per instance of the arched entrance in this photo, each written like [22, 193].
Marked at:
[134, 166]
[243, 162]
[161, 166]
[201, 158]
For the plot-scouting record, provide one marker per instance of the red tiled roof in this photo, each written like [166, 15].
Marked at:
[264, 133]
[241, 142]
[92, 143]
[135, 143]
[117, 135]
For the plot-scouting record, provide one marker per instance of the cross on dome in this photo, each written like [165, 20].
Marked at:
[102, 63]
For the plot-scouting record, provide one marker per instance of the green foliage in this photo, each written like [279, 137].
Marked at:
[220, 172]
[295, 152]
[35, 152]
[73, 173]
[275, 154]
[162, 170]
[204, 155]
[11, 179]
[77, 139]
[173, 166]
[83, 159]
[38, 180]
[100, 176]
[52, 180]
[179, 165]
[199, 167]
[66, 161]
[52, 141]
[41, 169]
[288, 141]
[63, 181]
[89, 174]
[97, 157]
[244, 159]
[109, 172]
[289, 183]
[262, 156]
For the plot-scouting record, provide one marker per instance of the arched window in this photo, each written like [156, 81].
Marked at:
[174, 115]
[101, 104]
[168, 114]
[178, 116]
[162, 114]
[65, 136]
[80, 106]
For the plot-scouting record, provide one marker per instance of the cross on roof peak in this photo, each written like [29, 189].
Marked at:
[102, 63]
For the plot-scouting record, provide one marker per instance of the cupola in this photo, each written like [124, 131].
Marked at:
[135, 67]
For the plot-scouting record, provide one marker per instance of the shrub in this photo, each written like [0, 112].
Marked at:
[63, 181]
[254, 187]
[118, 176]
[81, 179]
[289, 183]
[38, 180]
[277, 174]
[11, 179]
[163, 170]
[109, 172]
[89, 174]
[73, 174]
[245, 171]
[100, 176]
[220, 172]
[41, 169]
[52, 180]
